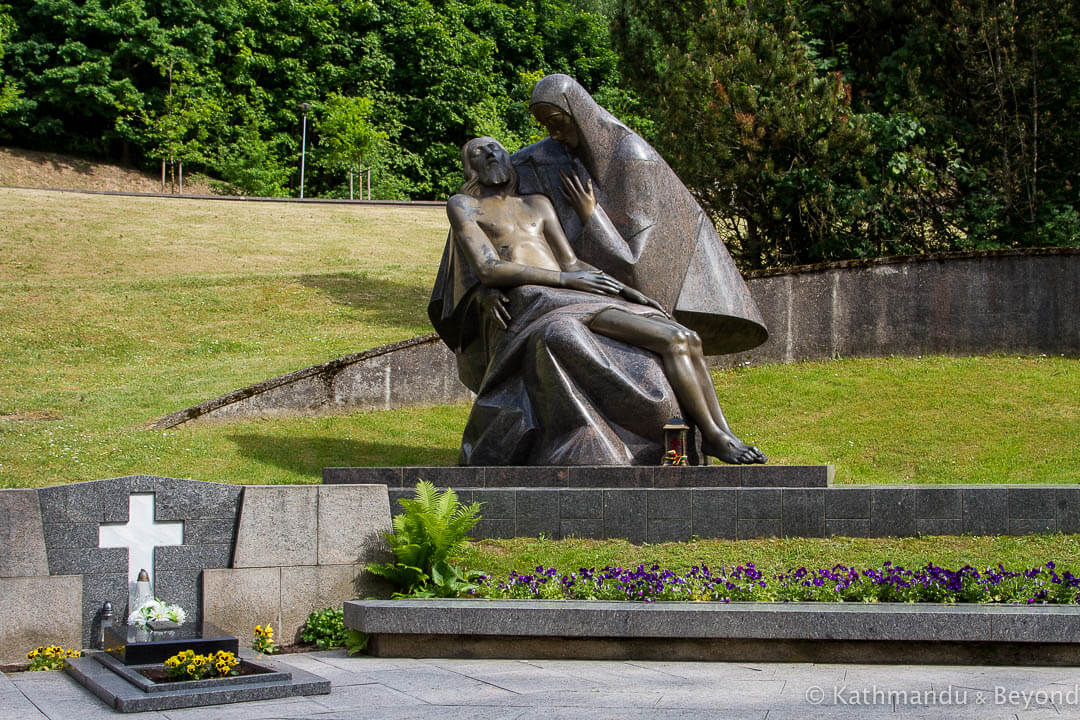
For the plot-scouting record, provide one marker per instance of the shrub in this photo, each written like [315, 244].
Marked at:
[430, 531]
[325, 628]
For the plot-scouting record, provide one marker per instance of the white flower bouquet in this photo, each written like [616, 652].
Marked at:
[156, 611]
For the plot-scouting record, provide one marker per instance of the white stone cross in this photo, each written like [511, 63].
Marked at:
[140, 535]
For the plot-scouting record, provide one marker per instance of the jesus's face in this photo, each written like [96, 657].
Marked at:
[489, 159]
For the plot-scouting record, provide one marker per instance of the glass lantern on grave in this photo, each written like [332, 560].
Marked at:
[676, 432]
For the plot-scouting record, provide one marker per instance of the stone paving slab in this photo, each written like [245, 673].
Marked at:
[14, 702]
[413, 689]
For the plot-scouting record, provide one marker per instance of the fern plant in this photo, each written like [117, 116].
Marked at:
[430, 531]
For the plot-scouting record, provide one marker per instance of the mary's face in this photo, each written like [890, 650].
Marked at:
[560, 126]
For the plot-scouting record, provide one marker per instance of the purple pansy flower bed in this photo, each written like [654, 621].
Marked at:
[888, 583]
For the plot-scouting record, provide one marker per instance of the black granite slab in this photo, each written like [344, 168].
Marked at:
[133, 646]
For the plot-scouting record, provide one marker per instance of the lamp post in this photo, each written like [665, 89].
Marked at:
[303, 146]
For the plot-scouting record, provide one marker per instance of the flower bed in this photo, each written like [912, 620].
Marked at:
[888, 583]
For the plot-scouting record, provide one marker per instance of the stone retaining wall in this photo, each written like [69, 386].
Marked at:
[256, 554]
[419, 371]
[954, 304]
[966, 304]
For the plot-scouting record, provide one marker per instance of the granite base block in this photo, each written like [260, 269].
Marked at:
[125, 696]
[987, 634]
[21, 535]
[587, 476]
[722, 650]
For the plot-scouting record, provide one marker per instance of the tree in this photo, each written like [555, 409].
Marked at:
[436, 72]
[993, 86]
[9, 92]
[180, 132]
[766, 141]
[347, 136]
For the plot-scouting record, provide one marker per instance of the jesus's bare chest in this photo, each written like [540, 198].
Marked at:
[509, 221]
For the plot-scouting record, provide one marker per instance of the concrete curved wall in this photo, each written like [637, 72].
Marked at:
[957, 304]
[416, 372]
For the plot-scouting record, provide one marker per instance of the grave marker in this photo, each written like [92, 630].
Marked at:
[140, 535]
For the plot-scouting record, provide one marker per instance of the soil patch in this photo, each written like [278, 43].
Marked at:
[32, 415]
[30, 168]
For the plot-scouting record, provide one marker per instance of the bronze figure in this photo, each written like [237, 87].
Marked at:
[526, 349]
[648, 230]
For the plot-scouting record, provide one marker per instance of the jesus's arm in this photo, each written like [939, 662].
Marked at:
[494, 272]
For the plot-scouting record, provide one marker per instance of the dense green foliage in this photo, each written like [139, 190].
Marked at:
[96, 81]
[9, 92]
[834, 129]
[324, 628]
[426, 536]
[809, 129]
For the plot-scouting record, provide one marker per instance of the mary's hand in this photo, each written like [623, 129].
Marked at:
[593, 281]
[580, 196]
[642, 299]
[495, 305]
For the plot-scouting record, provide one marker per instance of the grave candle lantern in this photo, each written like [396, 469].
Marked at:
[675, 433]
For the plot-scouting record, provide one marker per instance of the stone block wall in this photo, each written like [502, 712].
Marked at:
[250, 555]
[298, 548]
[652, 514]
[26, 588]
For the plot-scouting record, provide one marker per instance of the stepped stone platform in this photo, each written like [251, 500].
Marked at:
[122, 688]
[745, 632]
[587, 476]
[674, 504]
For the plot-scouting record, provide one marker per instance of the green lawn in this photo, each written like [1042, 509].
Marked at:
[499, 557]
[117, 311]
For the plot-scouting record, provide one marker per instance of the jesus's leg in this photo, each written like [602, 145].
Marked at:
[684, 366]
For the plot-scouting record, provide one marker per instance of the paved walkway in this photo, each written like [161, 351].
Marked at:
[376, 689]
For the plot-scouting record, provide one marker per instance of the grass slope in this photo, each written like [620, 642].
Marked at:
[119, 310]
[116, 311]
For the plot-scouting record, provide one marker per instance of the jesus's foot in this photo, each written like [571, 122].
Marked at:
[734, 451]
